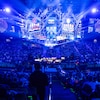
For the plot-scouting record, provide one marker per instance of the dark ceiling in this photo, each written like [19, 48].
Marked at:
[21, 5]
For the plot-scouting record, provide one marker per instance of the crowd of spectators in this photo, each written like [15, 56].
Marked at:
[19, 51]
[86, 84]
[19, 54]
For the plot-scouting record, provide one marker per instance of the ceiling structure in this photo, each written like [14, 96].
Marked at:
[21, 5]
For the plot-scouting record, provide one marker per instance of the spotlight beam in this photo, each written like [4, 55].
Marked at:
[79, 17]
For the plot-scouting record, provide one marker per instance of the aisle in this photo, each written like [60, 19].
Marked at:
[61, 93]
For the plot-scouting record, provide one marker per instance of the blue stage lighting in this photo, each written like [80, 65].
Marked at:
[94, 10]
[68, 20]
[7, 10]
[72, 37]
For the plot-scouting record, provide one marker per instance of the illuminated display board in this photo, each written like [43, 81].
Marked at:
[51, 28]
[94, 25]
[68, 27]
[34, 25]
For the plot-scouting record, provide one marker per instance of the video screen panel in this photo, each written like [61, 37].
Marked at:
[67, 27]
[51, 28]
[94, 25]
[34, 25]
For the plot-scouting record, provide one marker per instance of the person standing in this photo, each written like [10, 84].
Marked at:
[39, 80]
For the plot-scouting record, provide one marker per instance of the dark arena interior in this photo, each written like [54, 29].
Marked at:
[63, 36]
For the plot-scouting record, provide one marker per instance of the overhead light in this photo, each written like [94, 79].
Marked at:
[68, 20]
[94, 10]
[7, 10]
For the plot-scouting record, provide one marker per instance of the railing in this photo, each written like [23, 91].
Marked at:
[50, 88]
